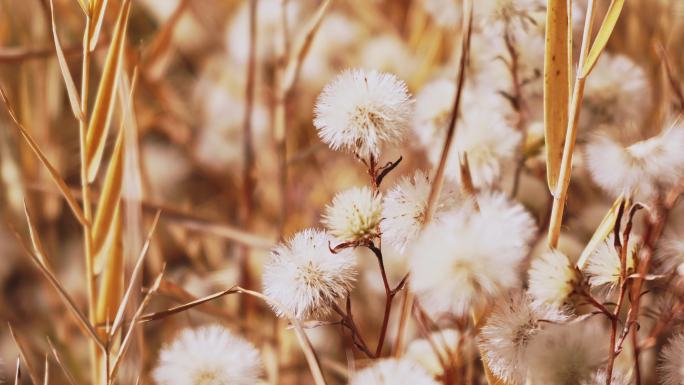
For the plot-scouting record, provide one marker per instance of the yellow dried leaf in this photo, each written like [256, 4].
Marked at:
[556, 87]
[74, 98]
[104, 101]
[603, 35]
[602, 231]
[111, 285]
[109, 199]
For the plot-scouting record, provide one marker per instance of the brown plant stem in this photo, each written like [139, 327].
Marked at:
[389, 297]
[347, 321]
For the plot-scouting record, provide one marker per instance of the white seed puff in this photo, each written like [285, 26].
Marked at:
[306, 277]
[671, 367]
[210, 355]
[354, 214]
[552, 278]
[504, 339]
[404, 208]
[393, 372]
[360, 110]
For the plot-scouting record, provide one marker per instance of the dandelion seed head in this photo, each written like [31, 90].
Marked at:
[670, 250]
[354, 214]
[617, 93]
[639, 168]
[671, 366]
[208, 356]
[508, 330]
[603, 266]
[393, 372]
[360, 110]
[404, 208]
[566, 353]
[306, 277]
[552, 278]
[463, 260]
[434, 104]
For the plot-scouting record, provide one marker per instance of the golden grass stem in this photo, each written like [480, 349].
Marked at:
[561, 194]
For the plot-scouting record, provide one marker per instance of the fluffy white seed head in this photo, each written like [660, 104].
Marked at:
[404, 207]
[360, 110]
[617, 93]
[618, 378]
[470, 256]
[640, 168]
[670, 251]
[509, 328]
[487, 137]
[603, 266]
[671, 367]
[446, 13]
[393, 372]
[306, 277]
[434, 104]
[552, 278]
[208, 356]
[566, 353]
[430, 352]
[354, 214]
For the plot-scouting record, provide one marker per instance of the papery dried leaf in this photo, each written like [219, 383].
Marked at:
[72, 92]
[104, 101]
[604, 229]
[556, 87]
[602, 36]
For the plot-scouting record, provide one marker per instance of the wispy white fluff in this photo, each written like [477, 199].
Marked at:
[360, 110]
[434, 104]
[470, 256]
[617, 93]
[497, 14]
[670, 250]
[404, 209]
[671, 366]
[566, 354]
[603, 266]
[306, 277]
[618, 378]
[509, 328]
[269, 21]
[483, 132]
[354, 214]
[429, 356]
[446, 13]
[389, 53]
[639, 168]
[208, 356]
[393, 372]
[552, 278]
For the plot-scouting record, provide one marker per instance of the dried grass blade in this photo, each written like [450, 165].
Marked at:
[46, 373]
[108, 201]
[134, 276]
[180, 308]
[33, 375]
[604, 32]
[17, 372]
[99, 8]
[127, 338]
[68, 301]
[556, 87]
[72, 91]
[602, 231]
[60, 362]
[111, 285]
[303, 45]
[104, 101]
[54, 174]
